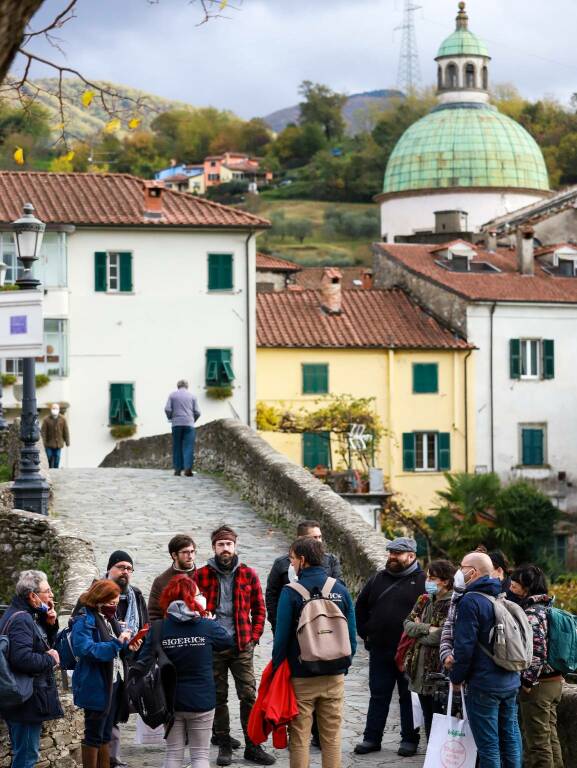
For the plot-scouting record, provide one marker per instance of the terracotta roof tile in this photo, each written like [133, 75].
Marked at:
[378, 319]
[274, 264]
[506, 285]
[109, 199]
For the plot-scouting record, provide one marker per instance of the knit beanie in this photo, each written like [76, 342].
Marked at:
[119, 557]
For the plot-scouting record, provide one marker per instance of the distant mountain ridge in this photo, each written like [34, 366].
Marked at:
[355, 111]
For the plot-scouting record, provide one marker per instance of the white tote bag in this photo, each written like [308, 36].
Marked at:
[451, 744]
[418, 717]
[146, 736]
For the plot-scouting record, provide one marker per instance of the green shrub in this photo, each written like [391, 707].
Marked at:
[122, 431]
[219, 393]
[8, 379]
[42, 379]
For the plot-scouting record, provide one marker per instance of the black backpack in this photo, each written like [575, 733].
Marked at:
[15, 687]
[151, 689]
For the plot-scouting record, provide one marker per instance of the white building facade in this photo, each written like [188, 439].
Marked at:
[130, 308]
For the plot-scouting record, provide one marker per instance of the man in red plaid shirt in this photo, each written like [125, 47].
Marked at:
[234, 595]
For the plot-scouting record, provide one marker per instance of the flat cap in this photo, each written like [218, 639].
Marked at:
[402, 544]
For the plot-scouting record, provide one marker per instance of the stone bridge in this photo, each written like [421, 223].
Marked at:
[139, 510]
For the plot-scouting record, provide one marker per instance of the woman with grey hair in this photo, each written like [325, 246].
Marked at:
[31, 626]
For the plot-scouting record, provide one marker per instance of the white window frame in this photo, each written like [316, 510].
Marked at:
[573, 263]
[13, 366]
[426, 438]
[527, 346]
[112, 265]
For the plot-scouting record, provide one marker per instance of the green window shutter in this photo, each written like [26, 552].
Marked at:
[443, 451]
[316, 449]
[315, 378]
[532, 447]
[218, 367]
[220, 272]
[425, 378]
[100, 271]
[228, 374]
[515, 358]
[125, 271]
[129, 411]
[116, 399]
[548, 358]
[408, 452]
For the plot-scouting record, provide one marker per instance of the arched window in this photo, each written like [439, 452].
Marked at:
[452, 76]
[470, 76]
[439, 77]
[485, 78]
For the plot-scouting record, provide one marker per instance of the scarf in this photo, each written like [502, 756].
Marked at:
[132, 618]
[407, 571]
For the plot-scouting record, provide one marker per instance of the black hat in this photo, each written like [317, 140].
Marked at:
[119, 557]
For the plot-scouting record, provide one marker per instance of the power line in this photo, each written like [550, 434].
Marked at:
[409, 73]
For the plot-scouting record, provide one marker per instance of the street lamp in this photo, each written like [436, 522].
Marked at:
[30, 489]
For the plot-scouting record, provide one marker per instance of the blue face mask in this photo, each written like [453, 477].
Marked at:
[432, 587]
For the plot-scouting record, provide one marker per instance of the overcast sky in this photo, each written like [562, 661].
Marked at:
[253, 61]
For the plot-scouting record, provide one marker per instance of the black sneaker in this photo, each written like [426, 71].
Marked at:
[407, 749]
[234, 743]
[364, 747]
[224, 752]
[254, 753]
[178, 472]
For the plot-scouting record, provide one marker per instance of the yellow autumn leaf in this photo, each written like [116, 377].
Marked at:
[19, 156]
[112, 125]
[59, 127]
[87, 97]
[69, 156]
[223, 4]
[134, 123]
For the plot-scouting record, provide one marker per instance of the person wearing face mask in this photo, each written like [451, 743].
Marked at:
[131, 614]
[182, 551]
[234, 595]
[31, 626]
[189, 637]
[381, 608]
[100, 647]
[424, 624]
[55, 435]
[491, 693]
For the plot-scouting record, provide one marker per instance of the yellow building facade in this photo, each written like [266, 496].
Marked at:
[424, 398]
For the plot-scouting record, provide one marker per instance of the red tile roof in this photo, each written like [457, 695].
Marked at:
[506, 285]
[274, 264]
[378, 319]
[310, 277]
[110, 199]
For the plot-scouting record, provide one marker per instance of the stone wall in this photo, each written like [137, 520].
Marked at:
[273, 485]
[28, 540]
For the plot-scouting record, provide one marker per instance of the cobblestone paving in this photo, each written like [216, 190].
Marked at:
[139, 511]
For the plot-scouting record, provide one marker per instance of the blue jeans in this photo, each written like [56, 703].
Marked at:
[495, 727]
[183, 447]
[53, 455]
[25, 741]
[383, 676]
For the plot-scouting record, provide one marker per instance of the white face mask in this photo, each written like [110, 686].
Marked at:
[201, 601]
[54, 411]
[459, 580]
[292, 574]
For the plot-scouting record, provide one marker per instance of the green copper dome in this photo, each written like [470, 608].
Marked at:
[465, 145]
[463, 43]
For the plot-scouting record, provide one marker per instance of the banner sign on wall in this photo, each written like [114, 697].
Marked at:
[21, 324]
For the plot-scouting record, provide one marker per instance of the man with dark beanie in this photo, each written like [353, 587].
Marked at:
[234, 595]
[182, 550]
[131, 614]
[382, 606]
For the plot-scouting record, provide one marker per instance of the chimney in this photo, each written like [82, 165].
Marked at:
[491, 240]
[331, 290]
[153, 191]
[526, 251]
[367, 278]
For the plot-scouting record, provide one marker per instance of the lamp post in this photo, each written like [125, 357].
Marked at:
[30, 489]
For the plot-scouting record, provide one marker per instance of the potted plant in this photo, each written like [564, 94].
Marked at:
[220, 392]
[122, 431]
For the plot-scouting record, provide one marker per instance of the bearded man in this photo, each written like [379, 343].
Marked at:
[182, 551]
[381, 608]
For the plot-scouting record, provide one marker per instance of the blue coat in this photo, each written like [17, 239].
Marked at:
[288, 611]
[474, 621]
[92, 677]
[30, 638]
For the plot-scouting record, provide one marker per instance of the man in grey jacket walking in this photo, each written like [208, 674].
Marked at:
[182, 411]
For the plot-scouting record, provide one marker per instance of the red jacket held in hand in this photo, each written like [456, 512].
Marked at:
[274, 708]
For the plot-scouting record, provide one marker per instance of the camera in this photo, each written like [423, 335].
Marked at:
[441, 685]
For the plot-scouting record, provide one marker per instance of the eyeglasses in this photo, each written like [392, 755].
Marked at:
[186, 551]
[127, 568]
[44, 591]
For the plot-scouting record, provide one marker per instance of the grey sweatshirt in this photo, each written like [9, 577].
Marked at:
[182, 408]
[225, 608]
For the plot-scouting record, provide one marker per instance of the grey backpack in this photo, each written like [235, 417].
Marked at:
[511, 636]
[322, 631]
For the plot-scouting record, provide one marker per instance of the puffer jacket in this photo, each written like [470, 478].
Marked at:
[536, 607]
